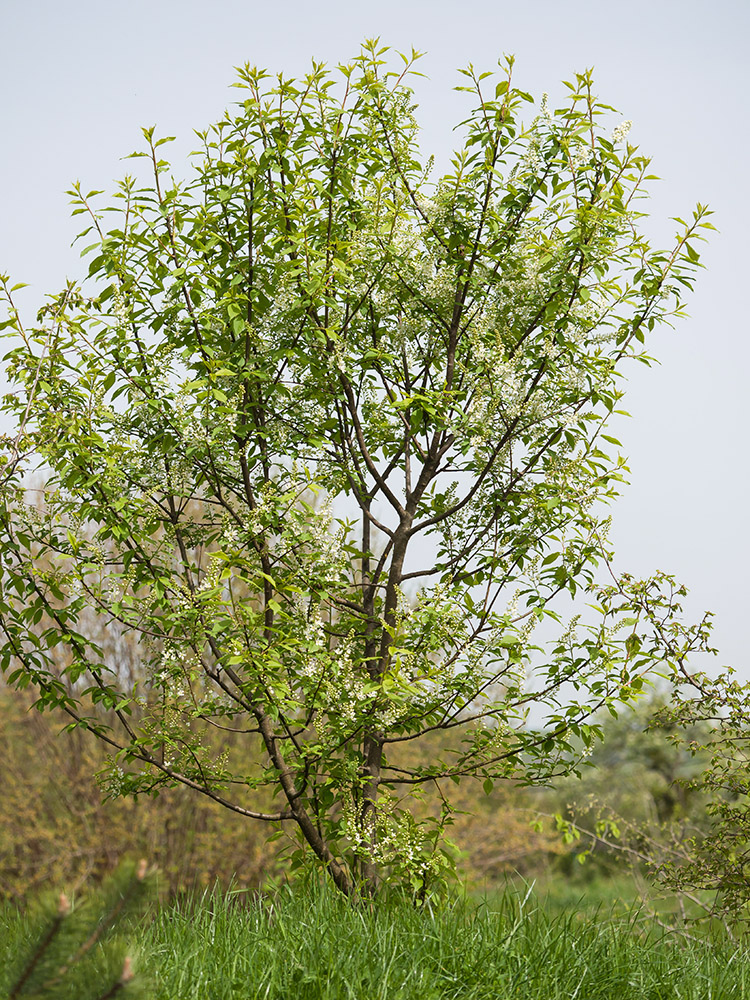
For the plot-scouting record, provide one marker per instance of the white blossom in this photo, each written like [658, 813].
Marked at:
[620, 131]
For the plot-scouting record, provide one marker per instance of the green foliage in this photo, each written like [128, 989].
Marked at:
[74, 950]
[303, 383]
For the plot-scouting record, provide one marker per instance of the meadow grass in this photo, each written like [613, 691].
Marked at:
[311, 943]
[308, 942]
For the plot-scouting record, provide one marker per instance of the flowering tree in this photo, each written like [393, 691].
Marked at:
[326, 440]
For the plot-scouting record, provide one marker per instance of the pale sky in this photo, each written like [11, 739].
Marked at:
[79, 79]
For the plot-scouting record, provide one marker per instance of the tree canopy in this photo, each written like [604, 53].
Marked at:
[327, 439]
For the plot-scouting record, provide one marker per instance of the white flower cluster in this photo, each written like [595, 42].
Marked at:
[526, 630]
[348, 688]
[512, 608]
[263, 506]
[480, 331]
[435, 209]
[286, 296]
[314, 663]
[230, 538]
[191, 429]
[327, 541]
[171, 674]
[388, 716]
[549, 348]
[442, 288]
[570, 636]
[619, 133]
[120, 309]
[112, 780]
[339, 357]
[212, 576]
[580, 155]
[385, 837]
[504, 389]
[342, 687]
[96, 552]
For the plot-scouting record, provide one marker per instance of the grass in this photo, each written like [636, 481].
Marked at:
[559, 894]
[309, 943]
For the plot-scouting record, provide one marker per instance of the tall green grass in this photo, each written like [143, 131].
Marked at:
[310, 943]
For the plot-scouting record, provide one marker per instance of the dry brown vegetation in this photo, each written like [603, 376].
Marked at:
[58, 827]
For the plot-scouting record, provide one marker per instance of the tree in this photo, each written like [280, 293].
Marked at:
[328, 439]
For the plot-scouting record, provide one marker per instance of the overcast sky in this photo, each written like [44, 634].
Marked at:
[79, 79]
